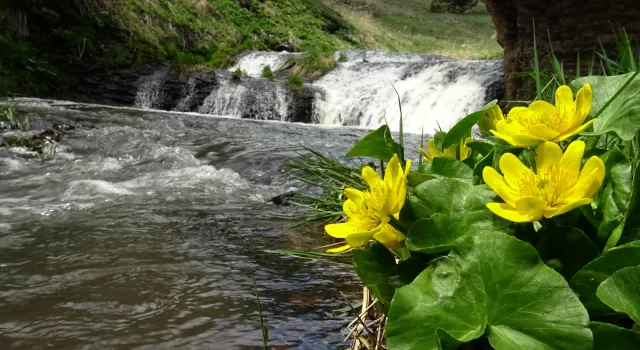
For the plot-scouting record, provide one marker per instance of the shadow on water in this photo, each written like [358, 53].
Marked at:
[143, 231]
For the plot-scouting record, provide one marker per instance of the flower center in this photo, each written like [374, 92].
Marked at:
[550, 185]
[553, 120]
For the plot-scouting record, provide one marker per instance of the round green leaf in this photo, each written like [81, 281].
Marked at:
[377, 144]
[586, 281]
[491, 284]
[621, 292]
[609, 337]
[373, 265]
[569, 245]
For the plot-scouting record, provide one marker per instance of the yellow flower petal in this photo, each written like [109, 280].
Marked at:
[497, 183]
[505, 211]
[564, 101]
[584, 98]
[505, 137]
[339, 249]
[361, 238]
[570, 133]
[532, 206]
[431, 146]
[548, 155]
[396, 183]
[371, 178]
[356, 196]
[341, 230]
[523, 140]
[590, 180]
[571, 160]
[542, 107]
[426, 155]
[351, 208]
[543, 132]
[514, 171]
[519, 115]
[566, 208]
[390, 237]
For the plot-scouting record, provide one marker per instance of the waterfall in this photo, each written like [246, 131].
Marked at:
[249, 98]
[435, 91]
[149, 95]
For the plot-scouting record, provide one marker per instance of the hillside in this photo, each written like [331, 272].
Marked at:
[409, 26]
[48, 45]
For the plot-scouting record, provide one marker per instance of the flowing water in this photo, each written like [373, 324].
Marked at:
[434, 91]
[143, 231]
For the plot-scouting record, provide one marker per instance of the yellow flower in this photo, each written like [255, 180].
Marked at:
[368, 211]
[489, 120]
[450, 152]
[557, 187]
[542, 121]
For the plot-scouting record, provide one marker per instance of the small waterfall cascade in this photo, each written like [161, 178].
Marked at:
[253, 62]
[435, 91]
[149, 95]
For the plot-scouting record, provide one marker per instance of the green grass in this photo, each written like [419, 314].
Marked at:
[267, 73]
[331, 177]
[314, 63]
[295, 83]
[408, 26]
[124, 33]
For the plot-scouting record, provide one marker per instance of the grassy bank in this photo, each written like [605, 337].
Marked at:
[409, 26]
[57, 37]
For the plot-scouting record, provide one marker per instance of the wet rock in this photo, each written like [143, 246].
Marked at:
[62, 127]
[283, 199]
[39, 143]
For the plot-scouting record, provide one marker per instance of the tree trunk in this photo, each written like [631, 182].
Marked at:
[575, 28]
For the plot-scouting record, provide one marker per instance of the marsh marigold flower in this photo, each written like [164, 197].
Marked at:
[557, 187]
[450, 152]
[542, 121]
[490, 119]
[368, 211]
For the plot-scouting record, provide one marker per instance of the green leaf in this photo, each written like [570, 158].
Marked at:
[479, 167]
[622, 115]
[373, 265]
[569, 245]
[438, 139]
[462, 129]
[609, 337]
[614, 200]
[451, 197]
[632, 219]
[586, 281]
[621, 292]
[377, 144]
[449, 167]
[407, 270]
[415, 178]
[491, 284]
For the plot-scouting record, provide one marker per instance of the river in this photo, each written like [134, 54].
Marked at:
[144, 229]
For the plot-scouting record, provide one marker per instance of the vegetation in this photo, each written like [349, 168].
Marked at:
[295, 83]
[466, 243]
[122, 33]
[343, 58]
[314, 63]
[267, 73]
[9, 116]
[410, 26]
[600, 63]
[238, 74]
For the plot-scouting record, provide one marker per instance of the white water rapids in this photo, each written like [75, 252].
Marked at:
[434, 91]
